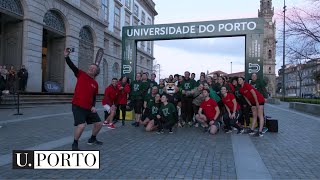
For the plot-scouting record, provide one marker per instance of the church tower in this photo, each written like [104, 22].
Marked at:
[269, 53]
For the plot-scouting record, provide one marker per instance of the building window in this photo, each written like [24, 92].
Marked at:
[148, 62]
[136, 10]
[128, 20]
[270, 54]
[117, 17]
[135, 22]
[141, 60]
[116, 70]
[128, 4]
[116, 49]
[142, 44]
[105, 9]
[143, 17]
[106, 45]
[149, 46]
[149, 21]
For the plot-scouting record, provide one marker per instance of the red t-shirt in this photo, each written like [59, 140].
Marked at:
[110, 96]
[208, 108]
[86, 89]
[245, 91]
[228, 101]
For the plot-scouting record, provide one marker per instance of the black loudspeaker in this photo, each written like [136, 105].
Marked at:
[272, 125]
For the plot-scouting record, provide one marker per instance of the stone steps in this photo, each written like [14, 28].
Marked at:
[38, 99]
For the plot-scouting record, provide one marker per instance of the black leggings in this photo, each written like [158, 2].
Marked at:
[245, 115]
[164, 123]
[231, 122]
[187, 109]
[123, 108]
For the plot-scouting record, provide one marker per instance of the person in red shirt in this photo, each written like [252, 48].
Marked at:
[233, 113]
[208, 113]
[83, 101]
[109, 103]
[124, 90]
[256, 101]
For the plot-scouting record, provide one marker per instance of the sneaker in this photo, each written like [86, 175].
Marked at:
[105, 123]
[134, 123]
[196, 125]
[206, 129]
[137, 124]
[235, 129]
[190, 124]
[159, 131]
[111, 126]
[170, 131]
[241, 131]
[115, 121]
[94, 141]
[228, 131]
[251, 132]
[75, 147]
[258, 134]
[264, 130]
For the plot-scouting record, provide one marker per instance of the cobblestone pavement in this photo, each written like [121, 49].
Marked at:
[131, 153]
[294, 152]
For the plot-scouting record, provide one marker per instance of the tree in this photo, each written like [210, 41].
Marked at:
[316, 76]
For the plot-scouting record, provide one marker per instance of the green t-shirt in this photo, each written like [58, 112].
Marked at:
[136, 90]
[149, 99]
[154, 108]
[168, 112]
[145, 87]
[213, 95]
[260, 86]
[151, 84]
[160, 89]
[188, 85]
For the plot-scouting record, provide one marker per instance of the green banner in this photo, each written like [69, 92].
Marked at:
[254, 55]
[252, 29]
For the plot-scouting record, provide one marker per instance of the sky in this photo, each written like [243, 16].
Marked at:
[209, 54]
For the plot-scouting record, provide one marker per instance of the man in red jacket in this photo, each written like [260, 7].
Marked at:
[83, 102]
[109, 103]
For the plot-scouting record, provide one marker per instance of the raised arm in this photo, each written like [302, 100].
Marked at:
[70, 63]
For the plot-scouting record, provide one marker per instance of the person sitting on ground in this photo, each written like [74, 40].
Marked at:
[149, 98]
[109, 103]
[208, 114]
[151, 120]
[167, 115]
[233, 113]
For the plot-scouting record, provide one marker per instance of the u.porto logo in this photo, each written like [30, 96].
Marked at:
[27, 159]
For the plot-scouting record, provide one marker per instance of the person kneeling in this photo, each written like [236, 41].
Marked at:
[167, 115]
[151, 122]
[210, 109]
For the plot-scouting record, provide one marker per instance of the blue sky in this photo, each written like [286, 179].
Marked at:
[211, 54]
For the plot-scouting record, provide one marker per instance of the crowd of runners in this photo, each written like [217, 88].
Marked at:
[213, 102]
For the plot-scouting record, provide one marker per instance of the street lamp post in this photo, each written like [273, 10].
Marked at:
[159, 71]
[231, 67]
[284, 44]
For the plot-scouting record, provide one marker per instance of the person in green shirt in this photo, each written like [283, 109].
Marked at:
[151, 120]
[136, 98]
[213, 95]
[152, 82]
[259, 84]
[186, 102]
[167, 115]
[145, 84]
[149, 98]
[161, 86]
[201, 80]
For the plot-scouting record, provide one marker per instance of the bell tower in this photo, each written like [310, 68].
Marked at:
[266, 12]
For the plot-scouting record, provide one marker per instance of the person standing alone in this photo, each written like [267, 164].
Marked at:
[83, 102]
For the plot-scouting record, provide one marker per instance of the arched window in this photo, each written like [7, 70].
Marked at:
[116, 70]
[269, 54]
[13, 6]
[86, 35]
[52, 19]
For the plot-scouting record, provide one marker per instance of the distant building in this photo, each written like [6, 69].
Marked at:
[35, 33]
[300, 77]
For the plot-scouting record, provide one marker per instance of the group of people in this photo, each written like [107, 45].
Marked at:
[210, 102]
[12, 80]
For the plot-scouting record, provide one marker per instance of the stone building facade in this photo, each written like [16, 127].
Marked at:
[269, 53]
[35, 33]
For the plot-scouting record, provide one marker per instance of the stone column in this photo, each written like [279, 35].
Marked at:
[32, 54]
